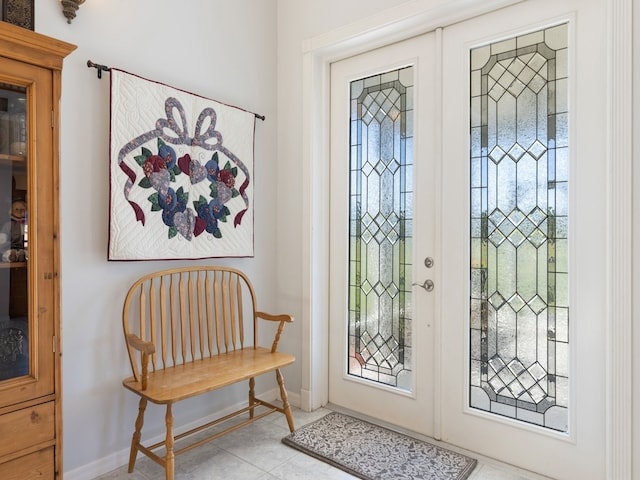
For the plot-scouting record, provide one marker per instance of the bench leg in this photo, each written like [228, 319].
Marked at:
[285, 401]
[170, 457]
[252, 395]
[135, 441]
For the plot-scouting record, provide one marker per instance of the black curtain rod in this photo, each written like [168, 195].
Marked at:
[104, 68]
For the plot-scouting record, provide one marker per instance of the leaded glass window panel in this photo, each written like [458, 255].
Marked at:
[519, 163]
[380, 228]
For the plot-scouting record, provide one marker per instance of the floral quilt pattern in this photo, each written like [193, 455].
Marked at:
[181, 174]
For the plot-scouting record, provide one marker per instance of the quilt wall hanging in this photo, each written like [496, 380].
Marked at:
[181, 174]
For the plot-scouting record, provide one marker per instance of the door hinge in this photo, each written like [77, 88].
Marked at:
[52, 119]
[54, 344]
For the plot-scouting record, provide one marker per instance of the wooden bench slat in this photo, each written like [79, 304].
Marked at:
[183, 317]
[163, 322]
[174, 320]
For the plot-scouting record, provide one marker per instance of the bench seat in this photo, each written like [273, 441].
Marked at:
[185, 381]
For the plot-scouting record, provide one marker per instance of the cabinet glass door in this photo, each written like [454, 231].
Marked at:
[14, 233]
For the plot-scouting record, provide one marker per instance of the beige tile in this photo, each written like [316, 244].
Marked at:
[304, 467]
[259, 444]
[121, 473]
[204, 463]
[300, 417]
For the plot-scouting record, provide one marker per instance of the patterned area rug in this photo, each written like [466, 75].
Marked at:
[371, 452]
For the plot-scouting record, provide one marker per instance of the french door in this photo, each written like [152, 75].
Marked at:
[383, 146]
[525, 346]
[488, 332]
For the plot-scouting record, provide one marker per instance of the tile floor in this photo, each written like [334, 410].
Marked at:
[256, 453]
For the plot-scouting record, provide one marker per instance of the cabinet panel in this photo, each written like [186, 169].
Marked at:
[35, 466]
[27, 427]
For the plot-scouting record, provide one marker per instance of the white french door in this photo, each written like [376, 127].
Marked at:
[524, 197]
[506, 354]
[383, 146]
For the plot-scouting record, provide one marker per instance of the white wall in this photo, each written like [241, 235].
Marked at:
[217, 48]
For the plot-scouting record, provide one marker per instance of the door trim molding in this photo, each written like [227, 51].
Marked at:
[414, 18]
[619, 255]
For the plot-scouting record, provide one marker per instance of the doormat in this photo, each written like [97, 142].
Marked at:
[372, 452]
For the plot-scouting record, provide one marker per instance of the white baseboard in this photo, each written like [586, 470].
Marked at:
[118, 459]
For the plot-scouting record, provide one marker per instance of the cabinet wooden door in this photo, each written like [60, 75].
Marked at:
[30, 403]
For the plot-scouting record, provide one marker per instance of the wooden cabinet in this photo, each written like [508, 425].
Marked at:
[30, 380]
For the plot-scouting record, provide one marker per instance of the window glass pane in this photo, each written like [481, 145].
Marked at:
[519, 352]
[380, 226]
[14, 234]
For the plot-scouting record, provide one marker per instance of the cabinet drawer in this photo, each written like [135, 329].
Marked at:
[37, 465]
[25, 428]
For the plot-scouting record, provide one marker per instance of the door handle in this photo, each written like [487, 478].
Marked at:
[427, 285]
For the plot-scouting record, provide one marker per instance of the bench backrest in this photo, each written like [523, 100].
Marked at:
[190, 313]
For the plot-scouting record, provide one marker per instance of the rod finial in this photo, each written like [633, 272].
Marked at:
[101, 68]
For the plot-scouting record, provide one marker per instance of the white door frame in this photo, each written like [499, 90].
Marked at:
[410, 19]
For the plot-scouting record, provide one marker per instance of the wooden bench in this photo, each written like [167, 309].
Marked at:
[190, 331]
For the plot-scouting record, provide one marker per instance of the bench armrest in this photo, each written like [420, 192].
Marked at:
[275, 318]
[140, 345]
[283, 318]
[146, 348]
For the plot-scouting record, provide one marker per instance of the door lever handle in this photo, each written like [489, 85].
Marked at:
[427, 285]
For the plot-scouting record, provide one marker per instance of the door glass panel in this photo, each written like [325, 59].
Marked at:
[519, 319]
[14, 234]
[380, 228]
